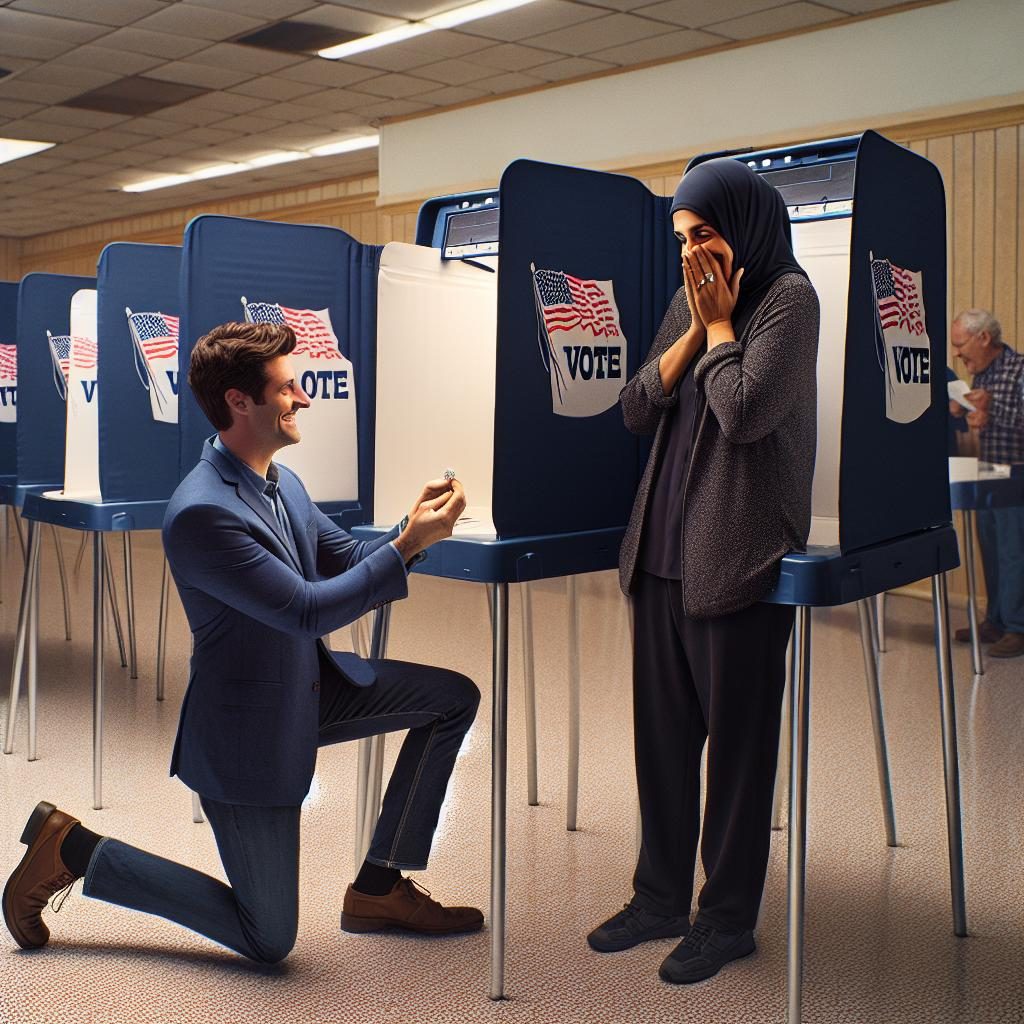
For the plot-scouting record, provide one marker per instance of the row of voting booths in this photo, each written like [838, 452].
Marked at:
[497, 344]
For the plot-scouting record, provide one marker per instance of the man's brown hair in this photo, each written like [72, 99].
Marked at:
[234, 356]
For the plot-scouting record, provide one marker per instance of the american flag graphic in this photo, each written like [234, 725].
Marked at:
[898, 298]
[8, 362]
[313, 337]
[157, 334]
[81, 350]
[569, 302]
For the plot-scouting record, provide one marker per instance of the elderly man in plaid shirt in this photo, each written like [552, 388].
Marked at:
[998, 397]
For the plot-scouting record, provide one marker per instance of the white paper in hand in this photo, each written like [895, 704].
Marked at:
[957, 389]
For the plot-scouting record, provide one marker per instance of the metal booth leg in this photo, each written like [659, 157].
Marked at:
[782, 769]
[31, 567]
[33, 654]
[880, 602]
[799, 718]
[197, 810]
[877, 720]
[499, 778]
[21, 535]
[99, 574]
[129, 600]
[81, 552]
[371, 751]
[161, 630]
[950, 759]
[63, 581]
[972, 592]
[573, 771]
[529, 694]
[114, 607]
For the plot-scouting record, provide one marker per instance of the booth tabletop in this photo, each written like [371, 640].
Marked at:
[94, 516]
[517, 559]
[824, 576]
[991, 492]
[13, 493]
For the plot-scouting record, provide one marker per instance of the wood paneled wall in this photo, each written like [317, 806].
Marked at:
[979, 156]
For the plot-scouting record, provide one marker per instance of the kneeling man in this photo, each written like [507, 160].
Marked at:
[263, 574]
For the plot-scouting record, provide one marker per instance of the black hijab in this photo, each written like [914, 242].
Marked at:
[751, 216]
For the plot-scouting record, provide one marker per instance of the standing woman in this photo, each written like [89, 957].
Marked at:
[728, 390]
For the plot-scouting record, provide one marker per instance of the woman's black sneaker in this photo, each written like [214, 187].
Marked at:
[633, 925]
[703, 953]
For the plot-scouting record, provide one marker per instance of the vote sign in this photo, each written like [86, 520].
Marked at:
[327, 459]
[8, 383]
[581, 342]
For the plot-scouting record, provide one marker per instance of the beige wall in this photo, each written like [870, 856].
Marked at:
[979, 156]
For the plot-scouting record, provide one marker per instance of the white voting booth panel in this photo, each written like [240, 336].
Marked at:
[823, 249]
[81, 446]
[436, 358]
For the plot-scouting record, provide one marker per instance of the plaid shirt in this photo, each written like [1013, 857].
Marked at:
[1003, 439]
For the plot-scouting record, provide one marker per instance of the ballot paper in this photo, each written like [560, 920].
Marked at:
[957, 389]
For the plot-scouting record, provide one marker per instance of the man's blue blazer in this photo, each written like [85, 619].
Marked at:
[249, 721]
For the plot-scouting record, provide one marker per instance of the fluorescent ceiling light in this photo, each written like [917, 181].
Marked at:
[265, 160]
[347, 145]
[15, 149]
[270, 159]
[411, 29]
[386, 38]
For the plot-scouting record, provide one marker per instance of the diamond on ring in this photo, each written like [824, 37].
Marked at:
[710, 278]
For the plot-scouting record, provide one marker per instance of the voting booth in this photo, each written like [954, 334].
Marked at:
[322, 283]
[504, 337]
[868, 220]
[8, 380]
[869, 227]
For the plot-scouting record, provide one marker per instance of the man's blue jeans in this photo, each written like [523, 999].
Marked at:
[1001, 536]
[257, 915]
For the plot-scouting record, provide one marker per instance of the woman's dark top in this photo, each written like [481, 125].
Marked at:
[747, 499]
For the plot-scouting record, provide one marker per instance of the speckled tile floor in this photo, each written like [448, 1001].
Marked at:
[879, 936]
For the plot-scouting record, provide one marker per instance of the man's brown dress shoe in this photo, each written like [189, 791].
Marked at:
[40, 874]
[987, 634]
[1011, 646]
[406, 906]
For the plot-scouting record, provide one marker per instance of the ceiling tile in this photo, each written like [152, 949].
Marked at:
[199, 22]
[613, 30]
[318, 71]
[126, 157]
[80, 118]
[82, 79]
[393, 108]
[697, 13]
[669, 44]
[204, 75]
[39, 132]
[393, 87]
[17, 108]
[185, 113]
[104, 12]
[289, 111]
[406, 8]
[532, 20]
[271, 87]
[164, 147]
[570, 67]
[78, 151]
[158, 127]
[334, 100]
[41, 26]
[209, 136]
[117, 138]
[110, 60]
[508, 82]
[271, 10]
[423, 50]
[245, 58]
[451, 94]
[155, 44]
[362, 22]
[863, 6]
[624, 5]
[249, 123]
[228, 102]
[32, 46]
[40, 92]
[780, 19]
[336, 121]
[50, 179]
[511, 57]
[457, 71]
